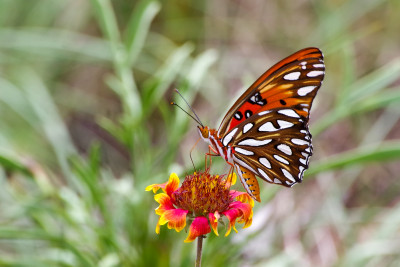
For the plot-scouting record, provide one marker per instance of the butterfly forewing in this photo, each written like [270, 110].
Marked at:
[293, 82]
[267, 127]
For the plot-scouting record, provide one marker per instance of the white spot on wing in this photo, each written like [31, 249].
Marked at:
[301, 170]
[247, 127]
[243, 164]
[318, 65]
[285, 149]
[263, 174]
[228, 137]
[293, 76]
[244, 151]
[299, 142]
[306, 158]
[264, 112]
[289, 113]
[315, 73]
[279, 158]
[284, 124]
[277, 181]
[267, 127]
[288, 175]
[254, 142]
[305, 90]
[265, 162]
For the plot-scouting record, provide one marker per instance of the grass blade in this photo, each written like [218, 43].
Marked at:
[387, 151]
[139, 27]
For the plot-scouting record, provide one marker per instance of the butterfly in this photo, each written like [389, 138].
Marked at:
[265, 133]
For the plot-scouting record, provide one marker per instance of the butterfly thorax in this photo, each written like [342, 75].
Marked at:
[211, 137]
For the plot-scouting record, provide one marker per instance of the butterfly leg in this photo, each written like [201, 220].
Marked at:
[231, 170]
[209, 154]
[190, 154]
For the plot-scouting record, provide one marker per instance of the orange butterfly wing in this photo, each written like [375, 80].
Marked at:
[274, 89]
[267, 127]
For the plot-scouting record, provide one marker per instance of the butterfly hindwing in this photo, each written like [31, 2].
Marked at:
[249, 182]
[275, 145]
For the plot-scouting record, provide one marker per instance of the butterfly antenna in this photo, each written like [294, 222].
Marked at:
[175, 104]
[198, 119]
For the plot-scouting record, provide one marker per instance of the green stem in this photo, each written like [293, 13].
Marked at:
[199, 250]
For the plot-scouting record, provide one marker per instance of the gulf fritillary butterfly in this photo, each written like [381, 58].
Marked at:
[265, 133]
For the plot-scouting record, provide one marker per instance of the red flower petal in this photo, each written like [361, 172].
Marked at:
[198, 227]
[214, 217]
[158, 227]
[168, 187]
[232, 215]
[176, 219]
[242, 197]
[155, 187]
[172, 185]
[246, 212]
[245, 208]
[165, 203]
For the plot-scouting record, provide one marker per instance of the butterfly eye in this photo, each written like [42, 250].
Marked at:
[204, 131]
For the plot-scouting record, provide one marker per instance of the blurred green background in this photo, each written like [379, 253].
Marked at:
[86, 125]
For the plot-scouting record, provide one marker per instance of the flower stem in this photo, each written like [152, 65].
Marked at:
[199, 250]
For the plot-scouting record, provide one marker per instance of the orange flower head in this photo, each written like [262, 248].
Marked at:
[202, 193]
[201, 201]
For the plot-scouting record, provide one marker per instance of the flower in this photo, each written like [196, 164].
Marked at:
[201, 201]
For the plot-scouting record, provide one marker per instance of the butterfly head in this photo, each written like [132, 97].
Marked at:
[204, 132]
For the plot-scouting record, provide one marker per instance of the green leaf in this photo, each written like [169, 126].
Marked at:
[373, 82]
[165, 76]
[12, 164]
[381, 100]
[139, 26]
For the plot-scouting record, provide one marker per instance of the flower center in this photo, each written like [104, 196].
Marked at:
[202, 193]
